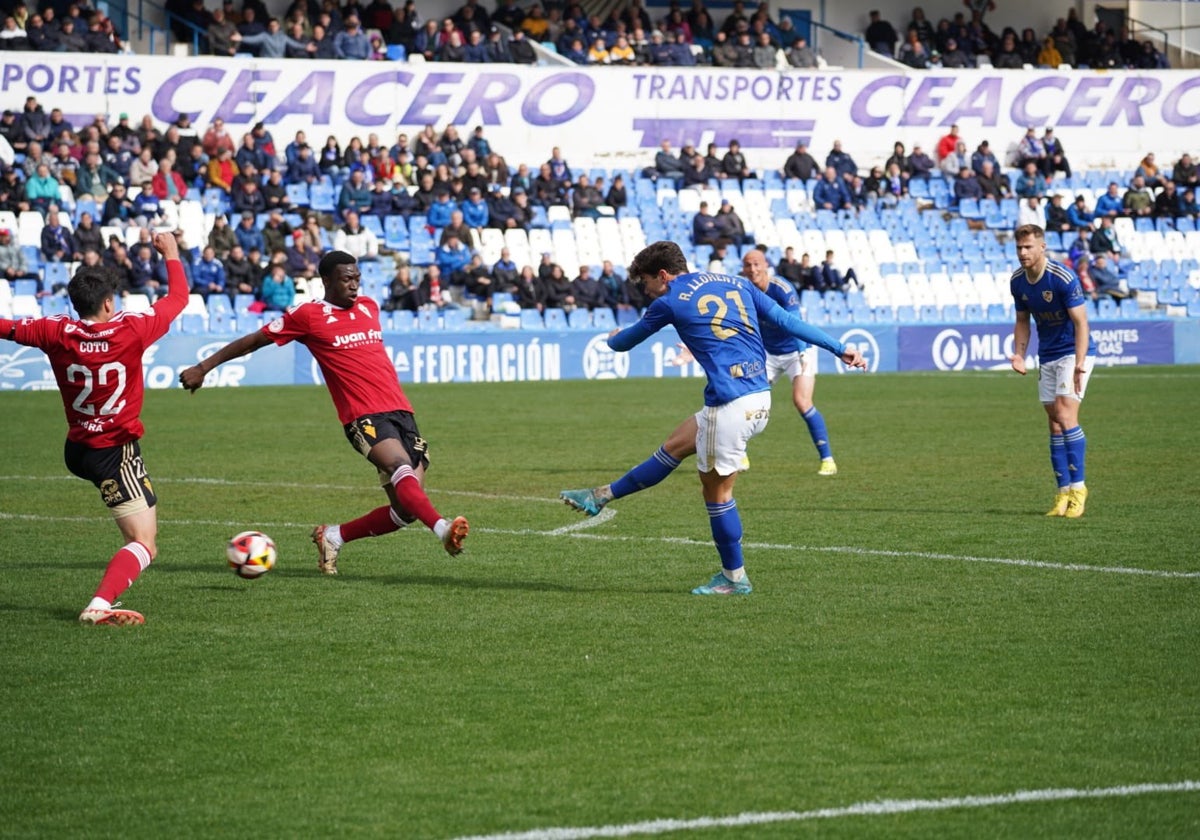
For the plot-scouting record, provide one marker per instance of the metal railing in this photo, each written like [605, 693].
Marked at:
[839, 48]
[165, 31]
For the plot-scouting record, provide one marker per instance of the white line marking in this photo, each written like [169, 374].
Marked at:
[591, 522]
[290, 485]
[883, 807]
[866, 552]
[578, 530]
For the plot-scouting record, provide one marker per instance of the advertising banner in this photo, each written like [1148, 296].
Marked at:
[610, 113]
[547, 356]
[989, 346]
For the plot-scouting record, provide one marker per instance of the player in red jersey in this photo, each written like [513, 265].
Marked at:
[344, 335]
[97, 361]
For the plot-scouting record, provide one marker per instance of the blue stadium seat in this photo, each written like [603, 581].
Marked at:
[404, 321]
[427, 319]
[298, 194]
[55, 305]
[321, 197]
[395, 233]
[952, 313]
[555, 319]
[1129, 309]
[625, 317]
[453, 318]
[30, 287]
[884, 315]
[193, 324]
[972, 313]
[579, 319]
[602, 319]
[55, 273]
[222, 323]
[1106, 309]
[396, 52]
[996, 312]
[531, 319]
[372, 224]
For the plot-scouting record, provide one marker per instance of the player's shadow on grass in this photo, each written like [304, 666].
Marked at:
[55, 614]
[446, 581]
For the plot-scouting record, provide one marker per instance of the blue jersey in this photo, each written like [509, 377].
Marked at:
[1047, 300]
[780, 342]
[719, 318]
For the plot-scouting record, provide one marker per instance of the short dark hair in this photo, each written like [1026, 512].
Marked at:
[1029, 230]
[331, 261]
[90, 287]
[663, 255]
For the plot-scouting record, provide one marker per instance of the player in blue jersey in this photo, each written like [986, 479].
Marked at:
[719, 319]
[1051, 293]
[798, 359]
[787, 355]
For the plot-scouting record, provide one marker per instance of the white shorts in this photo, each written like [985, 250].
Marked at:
[791, 365]
[1057, 379]
[724, 431]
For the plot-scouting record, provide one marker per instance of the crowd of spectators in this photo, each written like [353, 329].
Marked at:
[628, 35]
[81, 28]
[133, 179]
[125, 180]
[965, 40]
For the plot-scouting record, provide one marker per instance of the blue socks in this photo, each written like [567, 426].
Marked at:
[1058, 461]
[816, 428]
[646, 474]
[727, 534]
[1076, 452]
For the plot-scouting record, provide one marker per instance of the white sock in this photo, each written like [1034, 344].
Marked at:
[333, 535]
[440, 529]
[604, 493]
[1077, 485]
[99, 604]
[735, 574]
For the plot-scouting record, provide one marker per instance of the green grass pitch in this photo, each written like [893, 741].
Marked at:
[552, 677]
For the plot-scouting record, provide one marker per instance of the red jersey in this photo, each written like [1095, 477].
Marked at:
[348, 345]
[99, 366]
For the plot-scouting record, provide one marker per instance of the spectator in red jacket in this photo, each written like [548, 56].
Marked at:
[167, 183]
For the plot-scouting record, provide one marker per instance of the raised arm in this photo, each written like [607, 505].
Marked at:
[193, 378]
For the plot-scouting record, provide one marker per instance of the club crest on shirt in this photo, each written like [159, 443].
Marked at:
[276, 325]
[362, 307]
[1047, 296]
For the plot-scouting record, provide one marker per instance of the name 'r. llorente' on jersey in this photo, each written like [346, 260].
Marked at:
[698, 280]
[357, 338]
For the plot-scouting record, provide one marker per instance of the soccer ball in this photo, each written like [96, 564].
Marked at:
[251, 554]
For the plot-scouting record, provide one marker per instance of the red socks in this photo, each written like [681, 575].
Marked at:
[374, 524]
[412, 497]
[123, 569]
